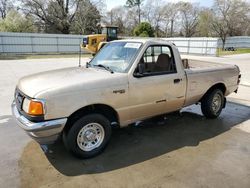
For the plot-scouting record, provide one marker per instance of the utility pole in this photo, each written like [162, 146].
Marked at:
[172, 28]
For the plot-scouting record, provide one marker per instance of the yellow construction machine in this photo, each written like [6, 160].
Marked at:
[93, 43]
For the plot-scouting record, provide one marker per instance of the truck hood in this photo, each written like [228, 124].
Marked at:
[67, 79]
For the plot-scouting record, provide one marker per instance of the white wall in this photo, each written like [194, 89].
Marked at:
[57, 43]
[39, 43]
[196, 45]
[236, 42]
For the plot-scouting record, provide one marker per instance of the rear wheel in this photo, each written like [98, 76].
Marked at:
[212, 104]
[88, 136]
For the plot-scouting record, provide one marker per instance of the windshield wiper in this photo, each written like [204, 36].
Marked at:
[105, 67]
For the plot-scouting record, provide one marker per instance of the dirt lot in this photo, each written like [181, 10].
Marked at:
[177, 150]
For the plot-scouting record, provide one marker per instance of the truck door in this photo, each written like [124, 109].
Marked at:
[160, 88]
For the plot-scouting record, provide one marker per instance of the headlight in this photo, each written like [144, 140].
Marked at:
[26, 105]
[33, 107]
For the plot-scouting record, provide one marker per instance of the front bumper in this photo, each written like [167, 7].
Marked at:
[45, 132]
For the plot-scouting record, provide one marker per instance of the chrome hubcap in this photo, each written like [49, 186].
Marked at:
[90, 136]
[216, 103]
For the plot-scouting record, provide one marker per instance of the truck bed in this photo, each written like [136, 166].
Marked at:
[205, 66]
[202, 75]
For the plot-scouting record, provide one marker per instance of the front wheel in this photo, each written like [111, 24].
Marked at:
[212, 104]
[88, 136]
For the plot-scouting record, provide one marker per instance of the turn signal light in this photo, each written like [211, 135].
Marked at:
[35, 108]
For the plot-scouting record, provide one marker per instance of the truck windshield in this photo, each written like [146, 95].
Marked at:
[117, 56]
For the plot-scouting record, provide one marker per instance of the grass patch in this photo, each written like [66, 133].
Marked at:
[39, 56]
[221, 52]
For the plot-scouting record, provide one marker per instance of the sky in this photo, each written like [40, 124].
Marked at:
[114, 3]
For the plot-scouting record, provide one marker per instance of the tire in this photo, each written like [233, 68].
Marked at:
[88, 136]
[212, 104]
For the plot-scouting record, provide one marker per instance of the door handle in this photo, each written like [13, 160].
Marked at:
[178, 80]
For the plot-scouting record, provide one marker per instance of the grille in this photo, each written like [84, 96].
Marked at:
[19, 100]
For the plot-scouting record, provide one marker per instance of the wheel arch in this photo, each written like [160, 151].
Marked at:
[106, 110]
[220, 86]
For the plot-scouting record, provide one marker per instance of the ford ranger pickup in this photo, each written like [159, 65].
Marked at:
[127, 81]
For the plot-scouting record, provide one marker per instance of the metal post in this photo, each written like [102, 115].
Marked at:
[80, 55]
[32, 44]
[206, 47]
[57, 44]
[188, 50]
[2, 43]
[217, 53]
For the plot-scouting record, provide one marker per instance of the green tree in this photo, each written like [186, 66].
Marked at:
[204, 23]
[135, 3]
[16, 22]
[144, 30]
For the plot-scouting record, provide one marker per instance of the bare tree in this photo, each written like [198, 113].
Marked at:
[170, 15]
[154, 14]
[57, 16]
[172, 10]
[135, 3]
[131, 21]
[5, 5]
[125, 19]
[230, 17]
[238, 17]
[54, 15]
[109, 17]
[221, 29]
[189, 15]
[117, 16]
[162, 16]
[86, 18]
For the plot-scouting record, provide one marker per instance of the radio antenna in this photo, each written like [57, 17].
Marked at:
[80, 55]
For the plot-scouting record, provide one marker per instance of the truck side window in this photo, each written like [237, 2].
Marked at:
[159, 59]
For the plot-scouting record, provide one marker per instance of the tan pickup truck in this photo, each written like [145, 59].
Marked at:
[127, 81]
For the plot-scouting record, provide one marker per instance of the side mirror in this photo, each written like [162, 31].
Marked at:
[140, 70]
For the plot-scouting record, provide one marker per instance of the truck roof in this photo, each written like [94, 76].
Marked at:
[145, 40]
